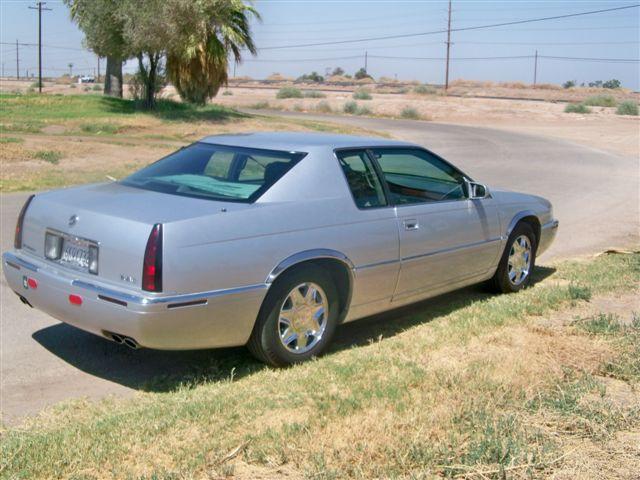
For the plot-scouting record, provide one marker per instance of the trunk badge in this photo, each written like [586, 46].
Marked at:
[73, 220]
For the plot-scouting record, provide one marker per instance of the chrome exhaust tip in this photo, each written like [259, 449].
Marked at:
[117, 338]
[130, 342]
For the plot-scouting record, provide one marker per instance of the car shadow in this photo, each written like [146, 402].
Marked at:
[161, 371]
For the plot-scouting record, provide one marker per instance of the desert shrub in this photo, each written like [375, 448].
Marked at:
[363, 110]
[628, 107]
[402, 90]
[260, 105]
[298, 108]
[601, 101]
[323, 107]
[613, 83]
[51, 156]
[313, 77]
[227, 93]
[73, 85]
[569, 84]
[350, 107]
[424, 90]
[362, 94]
[410, 113]
[289, 92]
[577, 108]
[314, 94]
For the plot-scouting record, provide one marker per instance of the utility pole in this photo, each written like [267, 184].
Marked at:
[535, 70]
[17, 60]
[365, 61]
[446, 74]
[39, 8]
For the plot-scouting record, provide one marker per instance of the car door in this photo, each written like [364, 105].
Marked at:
[444, 236]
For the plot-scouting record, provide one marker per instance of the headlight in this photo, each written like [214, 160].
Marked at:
[52, 246]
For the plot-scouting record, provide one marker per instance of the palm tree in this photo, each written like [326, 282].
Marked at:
[198, 68]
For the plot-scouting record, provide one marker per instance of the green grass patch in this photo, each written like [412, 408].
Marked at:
[628, 107]
[362, 94]
[50, 156]
[577, 108]
[11, 140]
[289, 92]
[405, 395]
[601, 101]
[101, 128]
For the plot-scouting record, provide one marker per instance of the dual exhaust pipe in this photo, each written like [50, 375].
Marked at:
[124, 340]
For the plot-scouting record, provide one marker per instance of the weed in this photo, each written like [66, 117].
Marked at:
[324, 107]
[601, 324]
[313, 94]
[260, 105]
[51, 156]
[410, 113]
[11, 140]
[101, 128]
[424, 90]
[628, 107]
[350, 107]
[227, 93]
[600, 101]
[363, 110]
[96, 88]
[577, 108]
[362, 94]
[579, 292]
[289, 92]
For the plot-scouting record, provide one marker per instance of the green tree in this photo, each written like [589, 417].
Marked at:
[103, 31]
[362, 73]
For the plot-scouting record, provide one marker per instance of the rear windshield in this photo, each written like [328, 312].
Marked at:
[216, 172]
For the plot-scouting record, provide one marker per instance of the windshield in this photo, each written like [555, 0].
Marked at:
[216, 172]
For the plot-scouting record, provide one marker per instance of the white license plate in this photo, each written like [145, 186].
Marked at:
[75, 254]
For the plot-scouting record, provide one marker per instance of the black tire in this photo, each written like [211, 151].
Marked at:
[265, 343]
[501, 281]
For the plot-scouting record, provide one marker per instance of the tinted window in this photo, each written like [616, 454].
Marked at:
[216, 172]
[416, 176]
[363, 181]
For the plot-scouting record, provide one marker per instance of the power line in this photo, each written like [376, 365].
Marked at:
[459, 29]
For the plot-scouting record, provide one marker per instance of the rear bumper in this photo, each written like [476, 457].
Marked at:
[220, 318]
[547, 235]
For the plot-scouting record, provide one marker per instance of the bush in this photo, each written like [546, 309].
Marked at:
[628, 107]
[36, 85]
[424, 90]
[323, 107]
[289, 92]
[314, 94]
[363, 111]
[51, 156]
[298, 108]
[350, 107]
[73, 85]
[260, 105]
[96, 88]
[362, 94]
[569, 84]
[601, 101]
[577, 108]
[227, 93]
[410, 113]
[613, 83]
[312, 77]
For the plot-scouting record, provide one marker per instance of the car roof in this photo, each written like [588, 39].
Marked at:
[299, 141]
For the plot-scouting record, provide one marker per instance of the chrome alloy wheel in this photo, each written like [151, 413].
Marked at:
[519, 263]
[303, 318]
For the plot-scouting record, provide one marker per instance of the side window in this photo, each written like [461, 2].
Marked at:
[416, 176]
[219, 165]
[362, 179]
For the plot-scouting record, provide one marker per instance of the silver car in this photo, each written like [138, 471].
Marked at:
[269, 240]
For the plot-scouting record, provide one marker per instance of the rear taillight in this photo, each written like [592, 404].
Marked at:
[152, 267]
[17, 241]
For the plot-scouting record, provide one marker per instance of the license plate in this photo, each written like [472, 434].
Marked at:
[75, 253]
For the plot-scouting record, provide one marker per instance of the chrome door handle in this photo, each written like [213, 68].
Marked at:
[411, 224]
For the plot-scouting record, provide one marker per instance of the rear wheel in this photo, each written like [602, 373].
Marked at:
[297, 319]
[518, 260]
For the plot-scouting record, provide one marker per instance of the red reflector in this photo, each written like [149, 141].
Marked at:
[33, 283]
[75, 299]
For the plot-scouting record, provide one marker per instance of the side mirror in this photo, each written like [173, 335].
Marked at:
[476, 191]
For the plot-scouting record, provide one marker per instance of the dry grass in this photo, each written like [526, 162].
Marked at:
[470, 386]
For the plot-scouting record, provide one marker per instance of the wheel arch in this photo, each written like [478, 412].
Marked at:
[529, 217]
[337, 264]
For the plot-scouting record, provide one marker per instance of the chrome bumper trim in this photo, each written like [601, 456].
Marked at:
[551, 224]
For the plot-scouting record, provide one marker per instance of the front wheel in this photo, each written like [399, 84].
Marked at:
[518, 260]
[298, 318]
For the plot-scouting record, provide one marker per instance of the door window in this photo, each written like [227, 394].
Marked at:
[363, 181]
[417, 176]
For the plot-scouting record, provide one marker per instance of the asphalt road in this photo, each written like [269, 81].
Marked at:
[595, 196]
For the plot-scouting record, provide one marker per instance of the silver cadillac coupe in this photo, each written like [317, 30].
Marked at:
[269, 240]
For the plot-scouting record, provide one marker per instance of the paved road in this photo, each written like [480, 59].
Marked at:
[595, 195]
